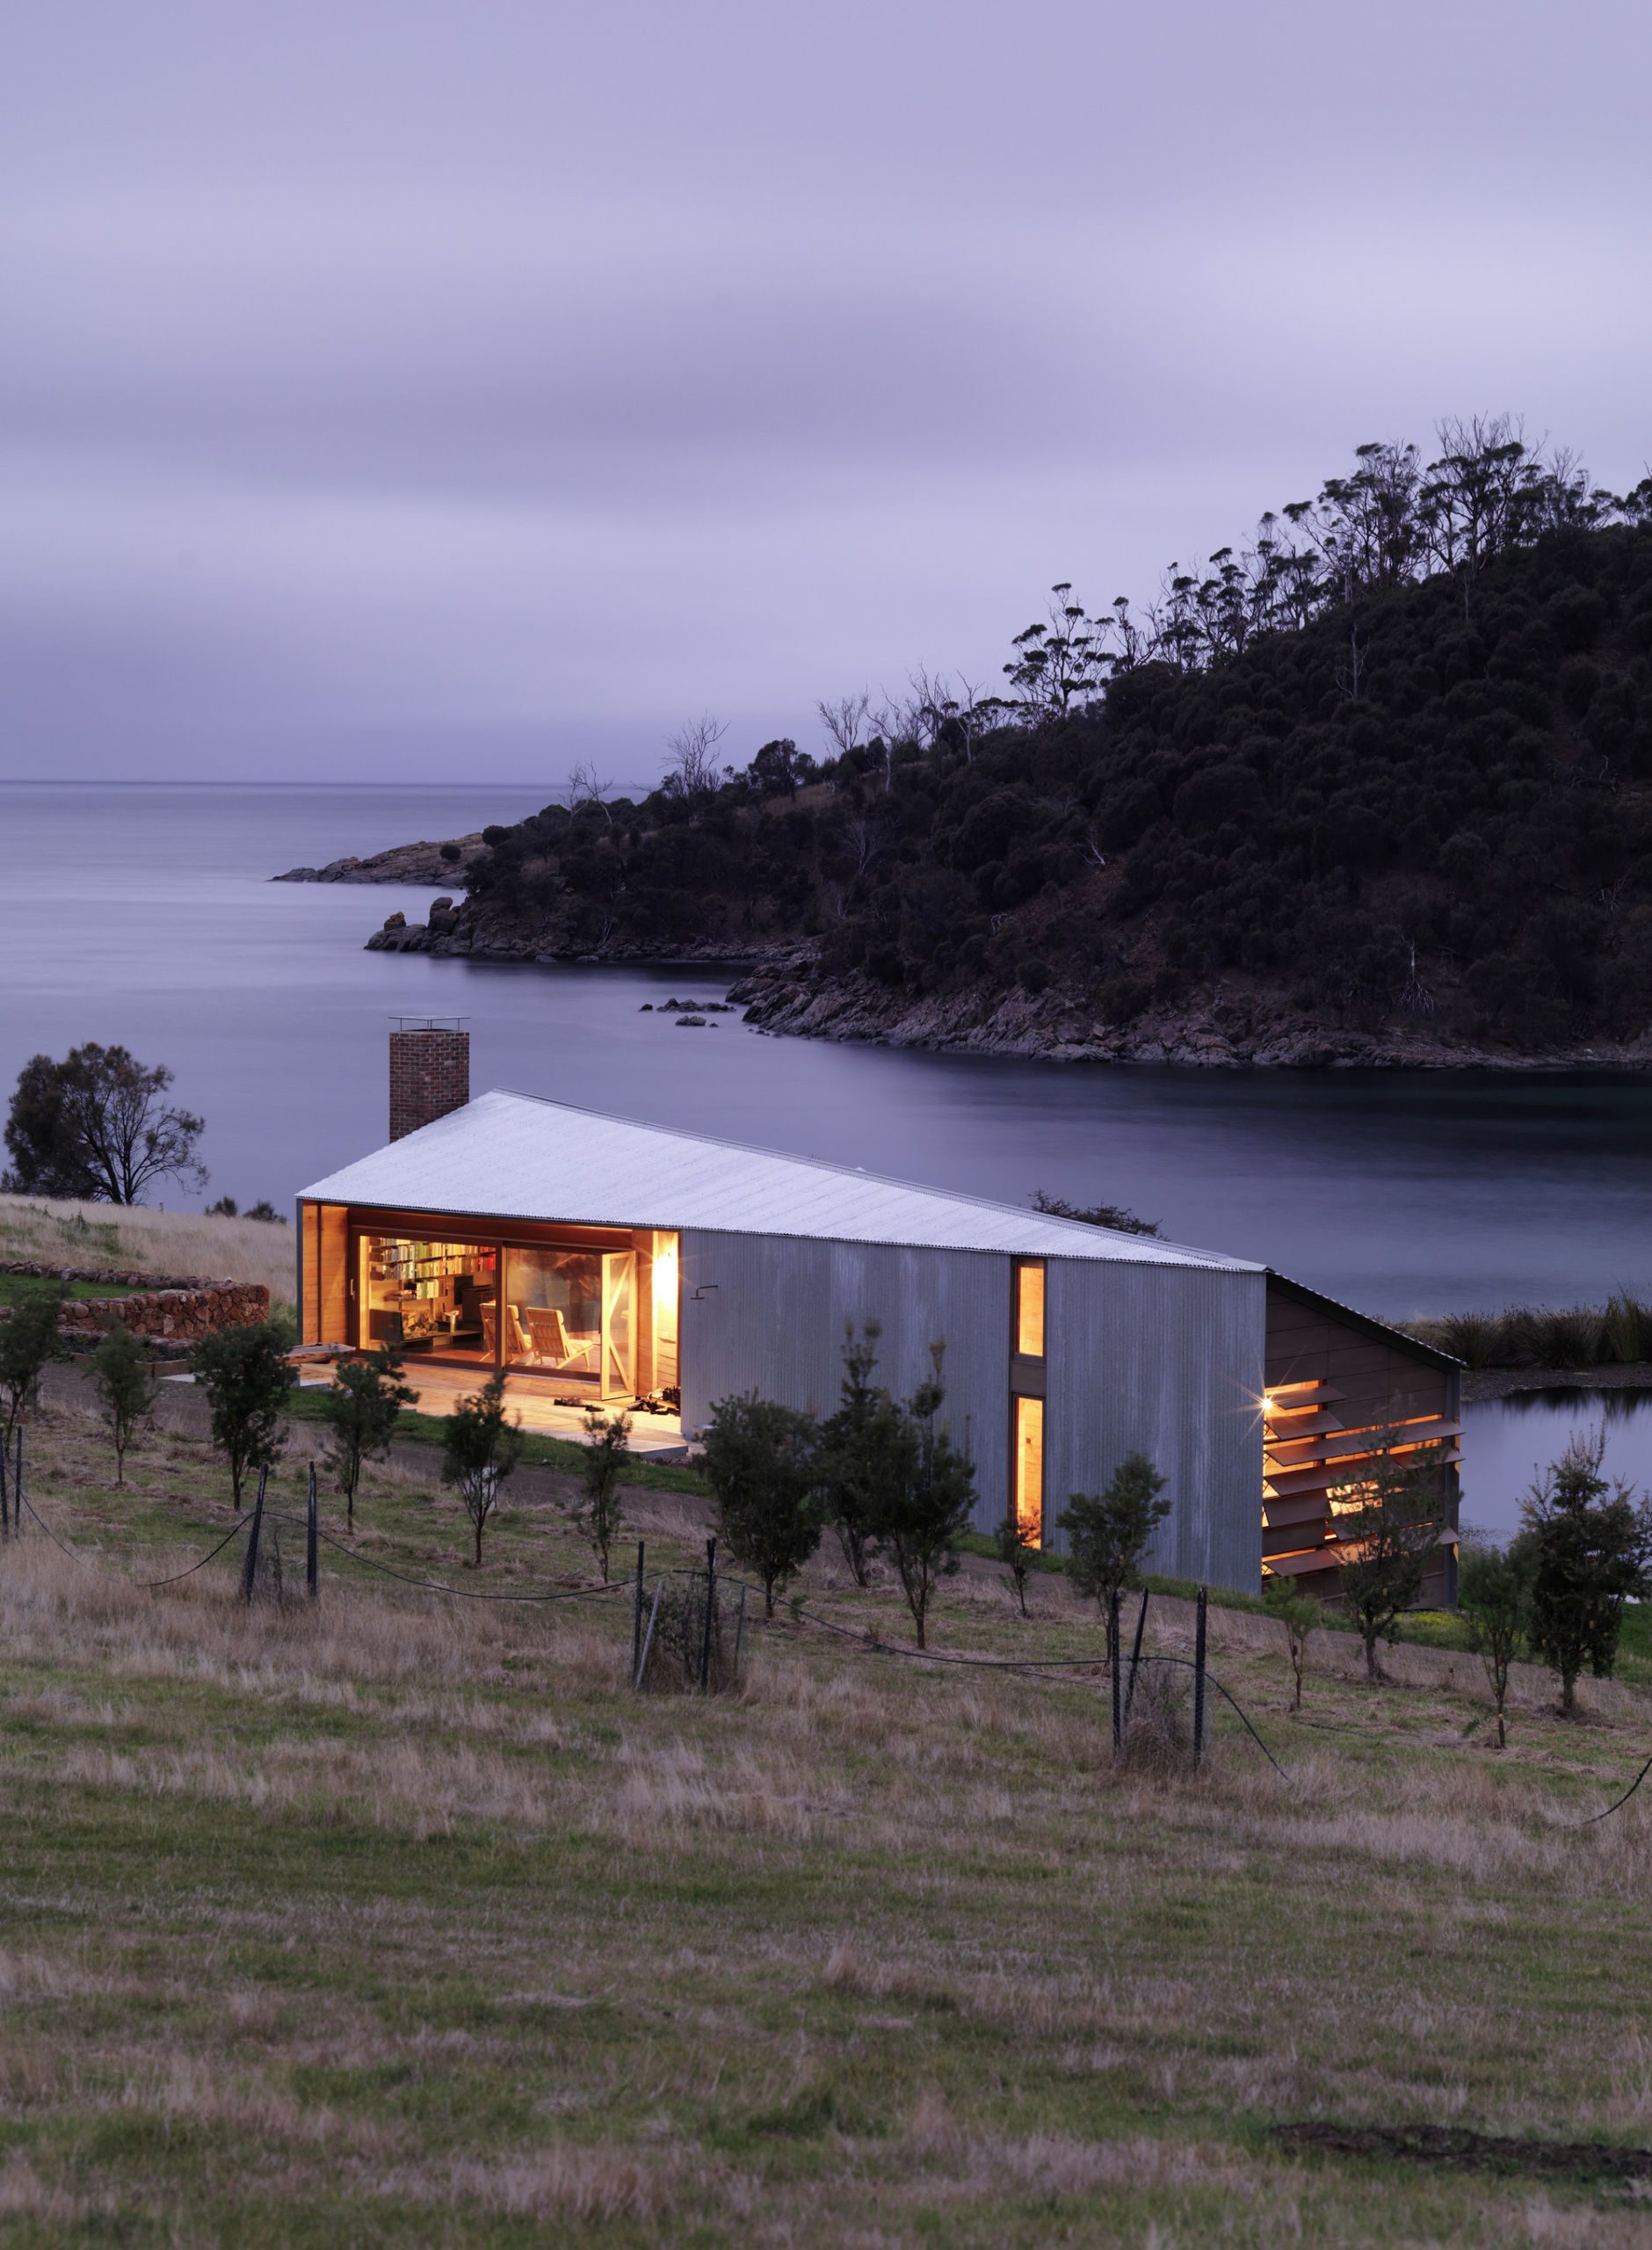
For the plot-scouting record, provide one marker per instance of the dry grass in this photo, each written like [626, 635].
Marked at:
[396, 1920]
[143, 1240]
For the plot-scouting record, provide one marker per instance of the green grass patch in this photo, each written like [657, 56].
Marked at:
[20, 1289]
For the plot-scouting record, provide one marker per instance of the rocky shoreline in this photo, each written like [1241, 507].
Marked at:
[425, 862]
[783, 990]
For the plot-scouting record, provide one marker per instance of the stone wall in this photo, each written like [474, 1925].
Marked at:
[181, 1309]
[185, 1313]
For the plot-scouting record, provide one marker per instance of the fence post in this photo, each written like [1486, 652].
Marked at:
[647, 1638]
[711, 1604]
[250, 1562]
[636, 1619]
[312, 1541]
[1118, 1706]
[16, 1488]
[1198, 1680]
[1135, 1654]
[5, 1492]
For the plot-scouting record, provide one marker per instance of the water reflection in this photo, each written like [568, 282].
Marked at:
[1509, 1442]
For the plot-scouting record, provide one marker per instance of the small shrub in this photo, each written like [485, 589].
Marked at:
[677, 1648]
[1158, 1738]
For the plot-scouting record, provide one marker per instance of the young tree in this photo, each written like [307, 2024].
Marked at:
[99, 1123]
[361, 1409]
[126, 1387]
[246, 1376]
[924, 1501]
[1387, 1532]
[859, 1451]
[28, 1340]
[760, 1464]
[1494, 1594]
[598, 1510]
[1015, 1551]
[1108, 1532]
[1587, 1545]
[1298, 1614]
[480, 1449]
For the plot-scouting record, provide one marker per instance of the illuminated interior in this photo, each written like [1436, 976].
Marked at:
[420, 1296]
[602, 1321]
[665, 1289]
[1029, 1467]
[1029, 1312]
[1314, 1469]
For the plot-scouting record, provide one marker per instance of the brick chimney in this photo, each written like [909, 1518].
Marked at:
[430, 1074]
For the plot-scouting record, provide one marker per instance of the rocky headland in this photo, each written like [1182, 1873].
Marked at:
[424, 862]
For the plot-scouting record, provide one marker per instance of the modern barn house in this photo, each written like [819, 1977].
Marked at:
[615, 1262]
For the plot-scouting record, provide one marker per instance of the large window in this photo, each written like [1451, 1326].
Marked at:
[598, 1319]
[1029, 1467]
[553, 1311]
[1029, 1312]
[440, 1298]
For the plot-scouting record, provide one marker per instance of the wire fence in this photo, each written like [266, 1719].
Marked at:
[692, 1632]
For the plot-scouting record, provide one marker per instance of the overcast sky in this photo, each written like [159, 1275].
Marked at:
[448, 388]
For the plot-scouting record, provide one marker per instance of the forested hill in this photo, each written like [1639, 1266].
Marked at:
[1418, 825]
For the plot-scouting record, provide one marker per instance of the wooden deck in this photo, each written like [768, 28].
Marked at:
[438, 1389]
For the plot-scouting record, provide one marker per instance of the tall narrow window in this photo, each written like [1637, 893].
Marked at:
[1029, 1312]
[1029, 1467]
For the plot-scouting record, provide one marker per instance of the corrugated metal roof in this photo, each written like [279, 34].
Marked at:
[517, 1156]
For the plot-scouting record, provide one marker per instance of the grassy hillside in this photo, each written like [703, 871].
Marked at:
[144, 1241]
[1425, 814]
[399, 1921]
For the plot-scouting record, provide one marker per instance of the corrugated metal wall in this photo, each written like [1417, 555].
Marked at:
[1168, 1363]
[773, 1315]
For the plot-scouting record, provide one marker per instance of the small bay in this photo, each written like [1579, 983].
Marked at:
[145, 916]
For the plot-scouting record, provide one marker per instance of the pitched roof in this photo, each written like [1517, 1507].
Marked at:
[517, 1156]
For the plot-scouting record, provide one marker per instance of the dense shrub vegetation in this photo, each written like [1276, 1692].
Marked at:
[1392, 763]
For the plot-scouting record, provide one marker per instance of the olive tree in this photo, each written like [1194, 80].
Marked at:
[1494, 1594]
[29, 1339]
[361, 1408]
[1109, 1532]
[925, 1494]
[759, 1462]
[246, 1375]
[126, 1387]
[597, 1509]
[480, 1449]
[1387, 1527]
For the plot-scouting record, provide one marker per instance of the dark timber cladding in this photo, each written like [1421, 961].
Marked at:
[1337, 1384]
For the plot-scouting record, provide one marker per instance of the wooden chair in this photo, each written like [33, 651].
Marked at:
[549, 1334]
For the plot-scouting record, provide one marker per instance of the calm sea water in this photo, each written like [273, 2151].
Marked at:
[145, 915]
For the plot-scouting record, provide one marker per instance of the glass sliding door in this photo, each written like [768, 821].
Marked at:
[619, 1323]
[553, 1312]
